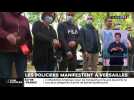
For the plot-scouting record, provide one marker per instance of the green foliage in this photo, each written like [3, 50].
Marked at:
[32, 16]
[80, 18]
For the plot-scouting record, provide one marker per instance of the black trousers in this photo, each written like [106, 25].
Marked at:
[115, 68]
[71, 64]
[105, 68]
[112, 68]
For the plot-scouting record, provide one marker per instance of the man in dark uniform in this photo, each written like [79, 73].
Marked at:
[68, 36]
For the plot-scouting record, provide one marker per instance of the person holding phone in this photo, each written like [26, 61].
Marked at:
[15, 43]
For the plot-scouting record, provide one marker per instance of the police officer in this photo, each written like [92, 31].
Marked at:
[45, 39]
[68, 36]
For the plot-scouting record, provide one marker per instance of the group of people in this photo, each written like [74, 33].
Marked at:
[16, 43]
[50, 44]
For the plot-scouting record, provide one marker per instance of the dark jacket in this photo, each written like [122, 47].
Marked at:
[67, 32]
[89, 39]
[43, 49]
[117, 57]
[10, 23]
[131, 39]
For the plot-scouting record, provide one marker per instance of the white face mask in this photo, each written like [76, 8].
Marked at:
[48, 19]
[89, 21]
[70, 19]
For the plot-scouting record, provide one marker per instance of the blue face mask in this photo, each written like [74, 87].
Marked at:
[48, 19]
[70, 19]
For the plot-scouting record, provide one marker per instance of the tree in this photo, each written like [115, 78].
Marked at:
[32, 16]
[80, 18]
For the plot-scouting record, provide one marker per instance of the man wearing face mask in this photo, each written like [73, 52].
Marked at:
[14, 33]
[90, 43]
[45, 40]
[68, 35]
